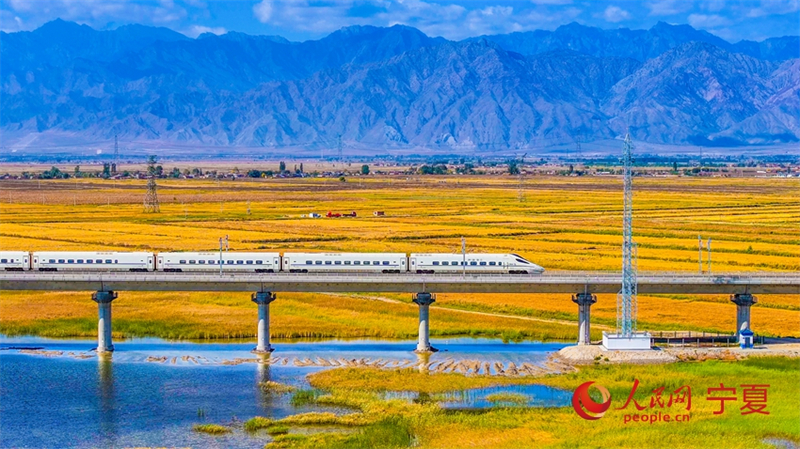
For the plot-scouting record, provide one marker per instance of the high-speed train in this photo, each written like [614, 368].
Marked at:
[266, 262]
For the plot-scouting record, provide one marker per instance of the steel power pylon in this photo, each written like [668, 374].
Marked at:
[626, 299]
[151, 197]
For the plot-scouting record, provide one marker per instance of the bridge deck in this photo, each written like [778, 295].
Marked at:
[569, 282]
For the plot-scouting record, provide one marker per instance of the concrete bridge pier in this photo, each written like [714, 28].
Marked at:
[424, 300]
[584, 302]
[263, 299]
[103, 300]
[743, 302]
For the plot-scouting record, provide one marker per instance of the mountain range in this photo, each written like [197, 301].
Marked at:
[396, 87]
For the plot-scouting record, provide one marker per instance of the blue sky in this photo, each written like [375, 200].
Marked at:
[453, 19]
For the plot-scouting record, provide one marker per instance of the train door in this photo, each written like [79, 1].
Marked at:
[276, 263]
[160, 263]
[150, 265]
[36, 263]
[286, 263]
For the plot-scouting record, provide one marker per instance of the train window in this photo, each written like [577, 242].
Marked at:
[80, 260]
[98, 261]
[259, 262]
[52, 261]
[386, 262]
[70, 260]
[327, 262]
[192, 262]
[211, 262]
[249, 262]
[445, 263]
[309, 262]
[338, 262]
[491, 264]
[116, 261]
[357, 262]
[230, 262]
[347, 262]
[317, 262]
[3, 260]
[201, 262]
[436, 263]
[182, 262]
[473, 263]
[89, 261]
[60, 260]
[523, 261]
[483, 263]
[239, 262]
[366, 262]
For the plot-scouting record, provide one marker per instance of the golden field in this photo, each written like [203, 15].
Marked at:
[560, 223]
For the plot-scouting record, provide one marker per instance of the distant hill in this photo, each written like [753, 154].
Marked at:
[397, 88]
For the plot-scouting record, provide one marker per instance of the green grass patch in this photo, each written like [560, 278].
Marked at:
[304, 397]
[508, 398]
[275, 387]
[211, 429]
[277, 430]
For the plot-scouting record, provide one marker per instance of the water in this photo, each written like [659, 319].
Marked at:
[152, 391]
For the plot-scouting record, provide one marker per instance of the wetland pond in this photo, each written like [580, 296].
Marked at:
[58, 393]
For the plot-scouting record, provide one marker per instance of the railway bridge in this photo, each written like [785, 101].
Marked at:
[582, 286]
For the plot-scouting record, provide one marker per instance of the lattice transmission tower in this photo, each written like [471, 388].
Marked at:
[151, 197]
[626, 299]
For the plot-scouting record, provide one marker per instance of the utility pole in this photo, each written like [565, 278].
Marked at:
[464, 255]
[220, 256]
[700, 254]
[227, 246]
[116, 155]
[709, 257]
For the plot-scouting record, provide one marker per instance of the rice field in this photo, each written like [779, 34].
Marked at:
[560, 223]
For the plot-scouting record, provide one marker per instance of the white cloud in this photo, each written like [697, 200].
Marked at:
[774, 7]
[263, 11]
[616, 14]
[196, 30]
[668, 7]
[97, 13]
[706, 21]
[551, 2]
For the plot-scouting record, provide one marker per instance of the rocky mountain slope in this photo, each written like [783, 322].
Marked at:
[398, 88]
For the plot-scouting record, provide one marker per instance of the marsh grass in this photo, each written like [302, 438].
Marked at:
[272, 387]
[277, 430]
[384, 423]
[211, 429]
[508, 398]
[304, 397]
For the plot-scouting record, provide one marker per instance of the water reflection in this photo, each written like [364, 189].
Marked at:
[263, 375]
[423, 361]
[107, 406]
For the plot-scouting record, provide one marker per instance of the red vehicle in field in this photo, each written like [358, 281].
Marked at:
[338, 215]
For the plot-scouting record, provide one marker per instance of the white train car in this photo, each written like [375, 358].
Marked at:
[345, 262]
[15, 260]
[210, 262]
[93, 261]
[475, 263]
